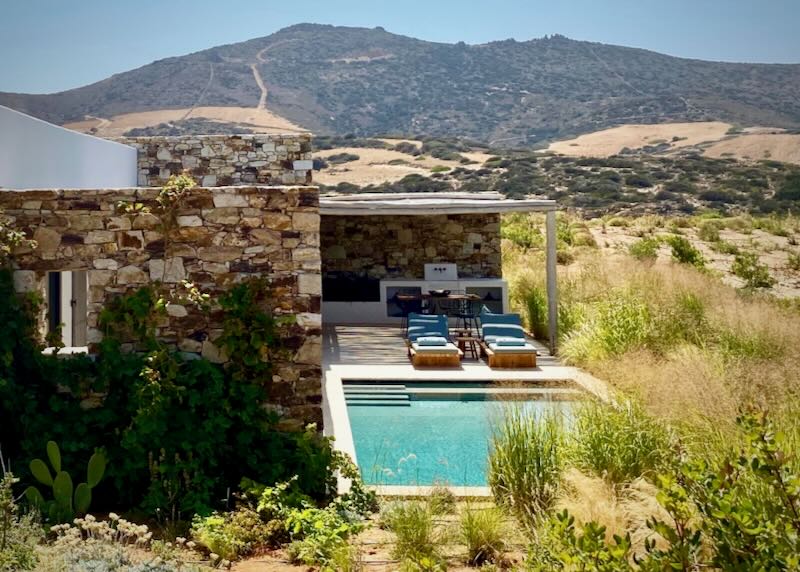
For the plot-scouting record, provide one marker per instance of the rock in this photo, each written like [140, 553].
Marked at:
[27, 281]
[118, 223]
[105, 264]
[170, 272]
[100, 277]
[212, 353]
[266, 236]
[163, 154]
[190, 220]
[310, 352]
[219, 253]
[305, 221]
[177, 311]
[47, 242]
[229, 200]
[209, 181]
[146, 221]
[310, 284]
[309, 320]
[99, 237]
[131, 240]
[131, 275]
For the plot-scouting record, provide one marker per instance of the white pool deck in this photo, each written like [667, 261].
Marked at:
[378, 353]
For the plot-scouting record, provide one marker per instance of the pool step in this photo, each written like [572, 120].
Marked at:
[376, 394]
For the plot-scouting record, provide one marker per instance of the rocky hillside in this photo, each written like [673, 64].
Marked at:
[337, 80]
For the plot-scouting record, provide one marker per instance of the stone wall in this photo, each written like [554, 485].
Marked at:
[399, 246]
[223, 235]
[222, 160]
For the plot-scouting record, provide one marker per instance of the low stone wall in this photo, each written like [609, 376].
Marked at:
[399, 246]
[223, 235]
[222, 160]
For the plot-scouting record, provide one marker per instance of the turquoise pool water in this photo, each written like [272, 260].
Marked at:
[433, 439]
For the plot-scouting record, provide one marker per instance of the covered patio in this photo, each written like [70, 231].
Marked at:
[375, 246]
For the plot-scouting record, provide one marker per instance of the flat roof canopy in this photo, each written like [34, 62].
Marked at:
[428, 204]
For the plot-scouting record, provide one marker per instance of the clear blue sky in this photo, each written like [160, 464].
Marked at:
[52, 45]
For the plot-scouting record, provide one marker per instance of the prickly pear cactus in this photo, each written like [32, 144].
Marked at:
[68, 500]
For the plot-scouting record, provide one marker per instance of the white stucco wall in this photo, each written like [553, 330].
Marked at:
[35, 154]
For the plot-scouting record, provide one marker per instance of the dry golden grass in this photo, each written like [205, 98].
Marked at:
[755, 362]
[758, 146]
[611, 141]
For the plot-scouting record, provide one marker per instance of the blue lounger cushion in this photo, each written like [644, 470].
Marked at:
[420, 326]
[495, 326]
[505, 341]
[431, 341]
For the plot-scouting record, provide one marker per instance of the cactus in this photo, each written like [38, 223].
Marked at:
[67, 500]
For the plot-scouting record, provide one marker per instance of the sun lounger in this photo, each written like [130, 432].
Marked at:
[504, 343]
[429, 342]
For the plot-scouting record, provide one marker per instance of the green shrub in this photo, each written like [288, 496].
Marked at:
[526, 462]
[645, 248]
[440, 169]
[619, 221]
[339, 158]
[684, 252]
[522, 231]
[709, 231]
[237, 534]
[483, 533]
[793, 262]
[159, 458]
[740, 511]
[725, 247]
[755, 275]
[620, 442]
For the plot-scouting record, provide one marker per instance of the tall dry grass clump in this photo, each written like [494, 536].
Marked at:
[526, 463]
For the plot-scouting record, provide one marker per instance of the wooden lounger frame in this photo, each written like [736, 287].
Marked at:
[508, 360]
[433, 359]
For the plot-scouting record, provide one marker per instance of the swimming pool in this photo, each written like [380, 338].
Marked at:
[427, 434]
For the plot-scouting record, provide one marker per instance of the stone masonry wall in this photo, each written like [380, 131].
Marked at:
[399, 246]
[224, 235]
[222, 160]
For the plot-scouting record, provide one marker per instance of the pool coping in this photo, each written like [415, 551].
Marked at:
[336, 422]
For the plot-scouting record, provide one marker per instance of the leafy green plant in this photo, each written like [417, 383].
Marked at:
[619, 442]
[526, 462]
[562, 546]
[746, 266]
[67, 501]
[483, 533]
[684, 252]
[19, 535]
[645, 248]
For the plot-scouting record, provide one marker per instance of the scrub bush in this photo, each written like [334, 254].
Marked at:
[684, 252]
[645, 248]
[755, 274]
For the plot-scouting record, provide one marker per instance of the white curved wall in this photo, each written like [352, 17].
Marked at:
[35, 154]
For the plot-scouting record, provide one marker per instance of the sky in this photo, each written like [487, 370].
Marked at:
[54, 45]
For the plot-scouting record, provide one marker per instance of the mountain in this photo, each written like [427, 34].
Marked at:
[340, 80]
